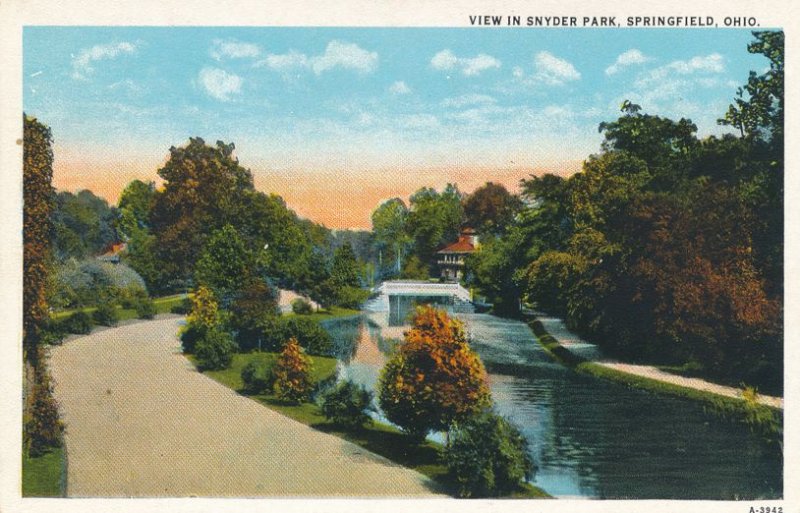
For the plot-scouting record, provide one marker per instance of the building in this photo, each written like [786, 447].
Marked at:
[451, 259]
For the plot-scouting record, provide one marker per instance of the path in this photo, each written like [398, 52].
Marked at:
[566, 338]
[141, 422]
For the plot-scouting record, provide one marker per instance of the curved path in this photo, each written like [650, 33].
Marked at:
[142, 422]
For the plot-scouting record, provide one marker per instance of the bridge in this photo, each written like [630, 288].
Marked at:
[397, 297]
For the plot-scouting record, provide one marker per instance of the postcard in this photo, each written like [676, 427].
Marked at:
[491, 256]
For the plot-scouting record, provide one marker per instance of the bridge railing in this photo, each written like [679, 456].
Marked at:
[424, 289]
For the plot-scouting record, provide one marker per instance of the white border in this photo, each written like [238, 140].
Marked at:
[14, 14]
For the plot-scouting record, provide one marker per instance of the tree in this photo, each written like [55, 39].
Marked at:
[85, 225]
[348, 404]
[214, 350]
[391, 235]
[225, 264]
[37, 196]
[491, 208]
[434, 378]
[255, 301]
[487, 456]
[292, 373]
[434, 220]
[135, 205]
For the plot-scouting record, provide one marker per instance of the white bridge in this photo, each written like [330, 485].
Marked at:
[389, 292]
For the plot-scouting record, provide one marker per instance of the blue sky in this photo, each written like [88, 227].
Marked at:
[400, 106]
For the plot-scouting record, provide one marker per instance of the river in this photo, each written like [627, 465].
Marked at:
[589, 438]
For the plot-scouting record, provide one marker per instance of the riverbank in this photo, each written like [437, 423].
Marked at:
[762, 413]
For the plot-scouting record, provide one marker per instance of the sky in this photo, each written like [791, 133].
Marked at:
[337, 120]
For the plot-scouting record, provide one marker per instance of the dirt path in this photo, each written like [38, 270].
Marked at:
[566, 338]
[141, 422]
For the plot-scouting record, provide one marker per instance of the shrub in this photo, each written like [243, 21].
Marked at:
[90, 282]
[250, 306]
[43, 428]
[106, 315]
[348, 404]
[145, 308]
[434, 378]
[214, 350]
[487, 456]
[301, 307]
[257, 376]
[190, 335]
[292, 373]
[130, 297]
[351, 297]
[311, 336]
[183, 308]
[79, 322]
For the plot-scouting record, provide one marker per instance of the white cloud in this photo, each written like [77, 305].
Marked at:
[338, 54]
[233, 49]
[399, 88]
[467, 99]
[517, 72]
[446, 60]
[554, 71]
[629, 58]
[219, 83]
[82, 63]
[712, 63]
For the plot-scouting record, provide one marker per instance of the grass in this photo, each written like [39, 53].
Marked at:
[162, 304]
[763, 419]
[43, 476]
[329, 313]
[377, 437]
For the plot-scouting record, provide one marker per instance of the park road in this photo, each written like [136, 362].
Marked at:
[142, 422]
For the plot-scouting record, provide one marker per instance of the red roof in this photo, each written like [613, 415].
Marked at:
[462, 246]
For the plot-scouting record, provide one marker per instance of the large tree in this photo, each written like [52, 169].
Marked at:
[37, 206]
[391, 237]
[434, 220]
[491, 208]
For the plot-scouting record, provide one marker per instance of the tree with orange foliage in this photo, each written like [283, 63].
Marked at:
[292, 373]
[434, 378]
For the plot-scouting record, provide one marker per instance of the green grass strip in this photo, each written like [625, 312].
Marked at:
[44, 475]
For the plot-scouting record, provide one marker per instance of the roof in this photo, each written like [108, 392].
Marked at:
[462, 246]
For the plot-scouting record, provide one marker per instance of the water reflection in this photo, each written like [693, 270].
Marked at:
[589, 438]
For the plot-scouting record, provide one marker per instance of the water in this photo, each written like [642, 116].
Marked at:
[590, 438]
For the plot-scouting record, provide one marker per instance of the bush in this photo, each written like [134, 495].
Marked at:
[79, 322]
[351, 297]
[90, 282]
[106, 315]
[131, 296]
[301, 307]
[183, 308]
[145, 308]
[292, 374]
[487, 456]
[214, 350]
[257, 376]
[190, 335]
[348, 404]
[311, 336]
[43, 428]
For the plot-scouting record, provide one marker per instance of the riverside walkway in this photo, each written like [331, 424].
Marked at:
[142, 422]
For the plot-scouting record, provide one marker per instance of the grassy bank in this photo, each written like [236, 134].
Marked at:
[162, 304]
[44, 476]
[766, 421]
[378, 438]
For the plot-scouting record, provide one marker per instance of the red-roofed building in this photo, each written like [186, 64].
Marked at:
[451, 258]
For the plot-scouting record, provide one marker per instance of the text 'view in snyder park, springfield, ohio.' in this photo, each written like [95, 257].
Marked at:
[403, 262]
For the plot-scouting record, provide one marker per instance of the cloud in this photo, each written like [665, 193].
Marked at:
[233, 49]
[219, 83]
[399, 88]
[467, 99]
[82, 63]
[629, 58]
[338, 54]
[446, 60]
[554, 71]
[712, 63]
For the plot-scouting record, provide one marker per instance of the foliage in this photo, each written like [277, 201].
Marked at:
[292, 374]
[214, 350]
[391, 236]
[106, 314]
[491, 208]
[351, 297]
[434, 219]
[301, 306]
[90, 282]
[135, 205]
[312, 337]
[145, 308]
[434, 378]
[414, 269]
[487, 456]
[255, 301]
[182, 308]
[257, 376]
[37, 206]
[348, 405]
[225, 264]
[79, 322]
[84, 225]
[190, 335]
[43, 428]
[205, 310]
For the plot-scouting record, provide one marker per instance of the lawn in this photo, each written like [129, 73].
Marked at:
[378, 437]
[42, 477]
[162, 304]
